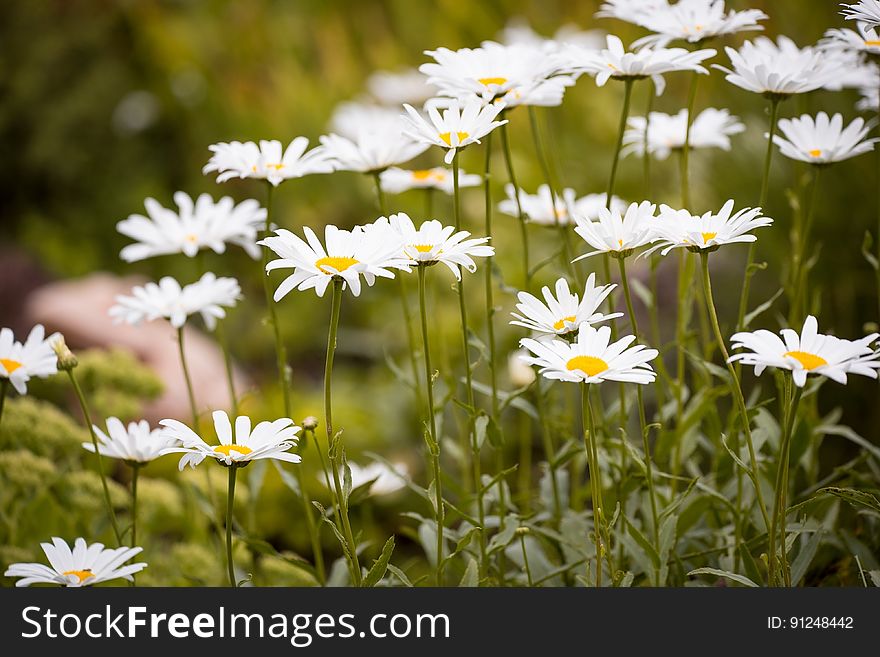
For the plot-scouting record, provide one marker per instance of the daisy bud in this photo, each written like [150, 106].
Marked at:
[310, 423]
[66, 360]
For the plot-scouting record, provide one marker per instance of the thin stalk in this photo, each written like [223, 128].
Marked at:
[780, 509]
[193, 408]
[877, 237]
[135, 470]
[549, 449]
[280, 349]
[227, 362]
[522, 543]
[735, 387]
[686, 147]
[434, 446]
[624, 113]
[595, 483]
[88, 420]
[490, 300]
[351, 555]
[520, 215]
[230, 500]
[762, 201]
[802, 274]
[646, 155]
[4, 388]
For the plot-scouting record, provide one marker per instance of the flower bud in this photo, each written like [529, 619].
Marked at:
[66, 360]
[310, 423]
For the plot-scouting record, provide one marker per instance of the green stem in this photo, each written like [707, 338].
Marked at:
[434, 445]
[88, 420]
[520, 215]
[490, 300]
[595, 477]
[781, 490]
[549, 449]
[802, 274]
[280, 350]
[193, 408]
[624, 113]
[686, 147]
[4, 388]
[522, 543]
[735, 388]
[230, 500]
[351, 551]
[646, 155]
[135, 470]
[227, 361]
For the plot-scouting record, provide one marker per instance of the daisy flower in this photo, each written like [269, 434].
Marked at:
[823, 140]
[864, 40]
[203, 224]
[712, 128]
[540, 208]
[866, 11]
[207, 297]
[136, 442]
[680, 229]
[631, 11]
[267, 440]
[458, 126]
[349, 254]
[870, 100]
[397, 181]
[591, 359]
[369, 139]
[696, 21]
[518, 31]
[85, 565]
[616, 232]
[614, 62]
[266, 161]
[564, 313]
[779, 69]
[382, 478]
[21, 362]
[393, 89]
[521, 375]
[853, 71]
[810, 352]
[432, 242]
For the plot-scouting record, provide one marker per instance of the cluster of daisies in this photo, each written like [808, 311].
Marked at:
[457, 100]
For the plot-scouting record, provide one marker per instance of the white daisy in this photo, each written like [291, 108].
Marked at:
[810, 352]
[136, 443]
[349, 254]
[21, 362]
[695, 21]
[432, 242]
[614, 62]
[780, 68]
[712, 128]
[675, 229]
[631, 11]
[397, 181]
[616, 232]
[521, 375]
[591, 359]
[518, 31]
[564, 313]
[457, 127]
[382, 478]
[393, 89]
[539, 207]
[853, 71]
[85, 565]
[266, 161]
[866, 11]
[267, 440]
[870, 100]
[370, 138]
[207, 297]
[864, 40]
[823, 140]
[205, 224]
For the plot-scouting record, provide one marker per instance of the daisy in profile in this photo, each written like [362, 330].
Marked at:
[563, 313]
[779, 69]
[865, 11]
[809, 353]
[394, 88]
[84, 565]
[19, 363]
[397, 181]
[541, 209]
[136, 443]
[712, 128]
[618, 232]
[592, 358]
[369, 139]
[676, 229]
[864, 40]
[432, 242]
[696, 21]
[615, 62]
[203, 224]
[267, 160]
[458, 126]
[631, 11]
[169, 300]
[346, 255]
[382, 479]
[518, 31]
[267, 440]
[823, 140]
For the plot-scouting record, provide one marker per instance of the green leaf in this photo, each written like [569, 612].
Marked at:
[856, 498]
[471, 576]
[380, 565]
[480, 427]
[804, 558]
[749, 563]
[286, 477]
[399, 574]
[742, 579]
[503, 538]
[645, 544]
[849, 434]
[867, 243]
[762, 308]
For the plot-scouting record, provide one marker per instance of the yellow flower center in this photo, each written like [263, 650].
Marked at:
[488, 81]
[620, 243]
[225, 449]
[808, 360]
[423, 248]
[447, 137]
[82, 575]
[9, 365]
[708, 236]
[561, 324]
[192, 238]
[872, 42]
[589, 365]
[277, 167]
[423, 174]
[340, 264]
[815, 153]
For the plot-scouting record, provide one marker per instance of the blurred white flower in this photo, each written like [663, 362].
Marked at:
[519, 32]
[393, 89]
[85, 565]
[266, 161]
[618, 232]
[712, 128]
[540, 209]
[19, 363]
[866, 11]
[565, 312]
[385, 479]
[521, 375]
[432, 242]
[823, 140]
[864, 40]
[457, 127]
[631, 11]
[136, 442]
[397, 181]
[675, 229]
[695, 21]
